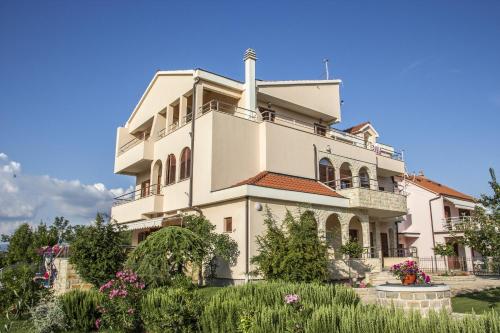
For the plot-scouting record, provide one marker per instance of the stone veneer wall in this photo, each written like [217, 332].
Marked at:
[67, 277]
[367, 198]
[421, 300]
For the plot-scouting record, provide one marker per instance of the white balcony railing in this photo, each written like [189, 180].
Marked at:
[281, 119]
[144, 192]
[454, 223]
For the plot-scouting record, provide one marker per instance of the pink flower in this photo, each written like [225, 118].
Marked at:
[98, 323]
[292, 298]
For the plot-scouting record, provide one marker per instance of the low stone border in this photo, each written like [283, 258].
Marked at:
[422, 299]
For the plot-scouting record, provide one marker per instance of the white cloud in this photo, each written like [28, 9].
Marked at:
[30, 198]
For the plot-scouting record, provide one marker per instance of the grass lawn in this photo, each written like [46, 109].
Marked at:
[479, 301]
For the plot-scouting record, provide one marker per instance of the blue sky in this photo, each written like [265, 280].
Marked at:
[425, 73]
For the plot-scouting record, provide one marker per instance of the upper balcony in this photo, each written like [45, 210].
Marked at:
[364, 193]
[138, 204]
[134, 156]
[455, 223]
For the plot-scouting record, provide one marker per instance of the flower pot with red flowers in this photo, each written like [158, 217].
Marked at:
[409, 273]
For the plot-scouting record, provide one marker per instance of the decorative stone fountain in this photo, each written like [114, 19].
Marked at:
[415, 297]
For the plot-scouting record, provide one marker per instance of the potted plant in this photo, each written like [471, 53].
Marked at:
[409, 273]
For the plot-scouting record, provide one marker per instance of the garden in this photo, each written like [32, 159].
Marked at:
[148, 290]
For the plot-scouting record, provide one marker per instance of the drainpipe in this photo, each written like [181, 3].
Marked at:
[315, 162]
[193, 117]
[432, 227]
[247, 255]
[397, 236]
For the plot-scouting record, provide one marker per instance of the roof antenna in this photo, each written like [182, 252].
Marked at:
[326, 69]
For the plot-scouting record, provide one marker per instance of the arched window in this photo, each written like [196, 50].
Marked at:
[157, 171]
[171, 167]
[364, 178]
[326, 172]
[185, 163]
[345, 176]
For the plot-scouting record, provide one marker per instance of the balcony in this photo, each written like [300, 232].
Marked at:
[134, 156]
[385, 152]
[363, 193]
[138, 204]
[455, 223]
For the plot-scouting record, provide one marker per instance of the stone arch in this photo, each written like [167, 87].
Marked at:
[157, 174]
[333, 233]
[364, 177]
[326, 172]
[345, 174]
[356, 230]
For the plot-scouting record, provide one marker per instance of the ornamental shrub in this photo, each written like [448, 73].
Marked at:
[97, 251]
[171, 310]
[120, 305]
[18, 291]
[81, 309]
[48, 316]
[165, 254]
[251, 305]
[291, 251]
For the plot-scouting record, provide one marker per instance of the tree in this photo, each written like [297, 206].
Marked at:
[165, 254]
[444, 250]
[352, 249]
[217, 246]
[97, 252]
[22, 246]
[293, 252]
[482, 231]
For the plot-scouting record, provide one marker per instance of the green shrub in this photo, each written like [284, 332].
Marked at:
[292, 251]
[171, 310]
[19, 292]
[97, 251]
[260, 303]
[323, 308]
[48, 316]
[165, 254]
[81, 309]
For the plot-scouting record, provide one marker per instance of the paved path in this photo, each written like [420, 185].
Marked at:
[480, 283]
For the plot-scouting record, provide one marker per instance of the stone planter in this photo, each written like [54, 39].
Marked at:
[414, 297]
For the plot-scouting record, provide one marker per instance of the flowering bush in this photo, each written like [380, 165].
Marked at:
[410, 267]
[119, 308]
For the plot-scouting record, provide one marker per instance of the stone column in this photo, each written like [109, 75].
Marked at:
[378, 243]
[182, 110]
[344, 219]
[170, 117]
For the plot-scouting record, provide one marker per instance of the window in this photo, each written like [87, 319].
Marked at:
[463, 212]
[364, 179]
[170, 169]
[145, 188]
[185, 163]
[267, 114]
[326, 172]
[345, 176]
[228, 224]
[380, 188]
[320, 129]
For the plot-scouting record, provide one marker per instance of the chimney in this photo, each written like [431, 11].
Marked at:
[421, 173]
[250, 88]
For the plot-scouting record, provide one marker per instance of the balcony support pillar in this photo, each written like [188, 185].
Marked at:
[182, 110]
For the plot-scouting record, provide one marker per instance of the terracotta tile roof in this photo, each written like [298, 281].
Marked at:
[438, 188]
[355, 129]
[289, 183]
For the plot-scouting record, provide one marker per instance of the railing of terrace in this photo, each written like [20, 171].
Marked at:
[132, 143]
[279, 118]
[361, 182]
[144, 192]
[455, 222]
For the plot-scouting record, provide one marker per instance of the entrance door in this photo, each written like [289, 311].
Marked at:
[385, 244]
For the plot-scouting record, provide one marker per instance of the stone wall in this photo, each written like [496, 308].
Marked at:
[368, 198]
[416, 298]
[67, 278]
[339, 269]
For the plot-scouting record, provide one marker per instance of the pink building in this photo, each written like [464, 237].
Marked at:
[433, 209]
